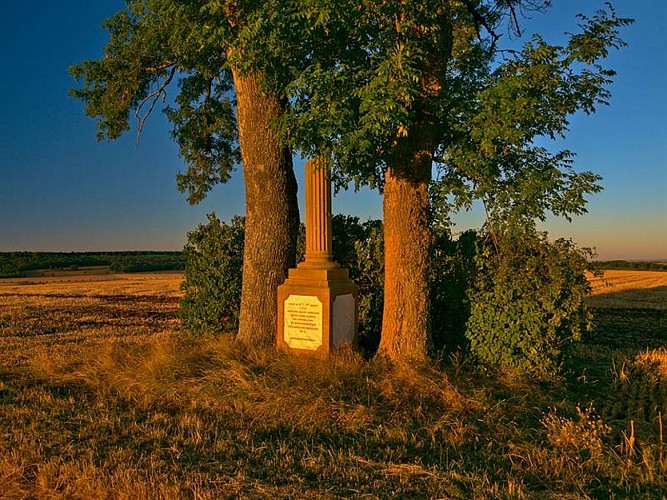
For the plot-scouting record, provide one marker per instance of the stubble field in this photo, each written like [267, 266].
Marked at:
[629, 289]
[101, 397]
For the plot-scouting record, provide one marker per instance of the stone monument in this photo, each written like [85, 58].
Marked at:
[317, 304]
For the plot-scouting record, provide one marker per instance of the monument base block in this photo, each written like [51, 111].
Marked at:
[317, 310]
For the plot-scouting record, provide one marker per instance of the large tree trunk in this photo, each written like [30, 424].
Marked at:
[405, 319]
[407, 236]
[272, 213]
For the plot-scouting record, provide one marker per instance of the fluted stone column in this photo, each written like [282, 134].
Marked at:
[317, 304]
[319, 247]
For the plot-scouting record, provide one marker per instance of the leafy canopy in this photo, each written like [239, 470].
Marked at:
[360, 77]
[157, 45]
[395, 69]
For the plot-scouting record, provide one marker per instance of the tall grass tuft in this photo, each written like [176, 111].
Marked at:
[654, 363]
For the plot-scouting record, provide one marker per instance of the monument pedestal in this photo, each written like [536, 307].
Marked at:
[317, 304]
[317, 311]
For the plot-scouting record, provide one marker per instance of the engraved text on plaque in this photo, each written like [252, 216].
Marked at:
[303, 322]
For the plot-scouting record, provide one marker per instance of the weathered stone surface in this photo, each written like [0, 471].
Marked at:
[343, 320]
[302, 326]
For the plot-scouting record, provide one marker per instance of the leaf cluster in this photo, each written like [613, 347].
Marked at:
[530, 95]
[154, 46]
[527, 302]
[213, 276]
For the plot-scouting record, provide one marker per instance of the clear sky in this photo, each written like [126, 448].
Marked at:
[60, 190]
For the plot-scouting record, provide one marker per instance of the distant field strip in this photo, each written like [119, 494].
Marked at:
[93, 284]
[630, 289]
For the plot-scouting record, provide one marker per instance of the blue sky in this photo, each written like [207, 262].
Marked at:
[61, 190]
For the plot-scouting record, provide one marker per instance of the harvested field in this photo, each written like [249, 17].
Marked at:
[101, 398]
[52, 312]
[629, 289]
[130, 283]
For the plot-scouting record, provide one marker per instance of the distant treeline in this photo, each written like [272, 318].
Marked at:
[633, 265]
[14, 264]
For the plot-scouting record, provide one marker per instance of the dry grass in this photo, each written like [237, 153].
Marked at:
[100, 397]
[653, 361]
[629, 289]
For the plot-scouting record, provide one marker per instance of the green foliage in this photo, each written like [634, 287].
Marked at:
[213, 272]
[154, 44]
[527, 303]
[452, 276]
[205, 129]
[154, 261]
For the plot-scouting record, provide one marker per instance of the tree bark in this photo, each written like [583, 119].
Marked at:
[407, 236]
[407, 239]
[272, 213]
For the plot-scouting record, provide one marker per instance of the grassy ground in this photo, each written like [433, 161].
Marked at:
[99, 399]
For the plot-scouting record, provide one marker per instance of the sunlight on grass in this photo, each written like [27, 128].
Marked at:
[629, 289]
[654, 362]
[103, 398]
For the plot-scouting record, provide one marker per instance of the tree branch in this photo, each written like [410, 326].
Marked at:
[489, 225]
[480, 20]
[153, 98]
[522, 6]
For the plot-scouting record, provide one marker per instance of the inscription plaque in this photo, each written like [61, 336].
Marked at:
[303, 322]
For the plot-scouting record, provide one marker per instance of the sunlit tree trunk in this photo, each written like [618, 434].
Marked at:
[407, 236]
[272, 214]
[405, 319]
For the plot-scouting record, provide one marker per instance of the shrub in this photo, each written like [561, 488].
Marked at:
[214, 259]
[213, 272]
[367, 271]
[452, 275]
[527, 302]
[517, 304]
